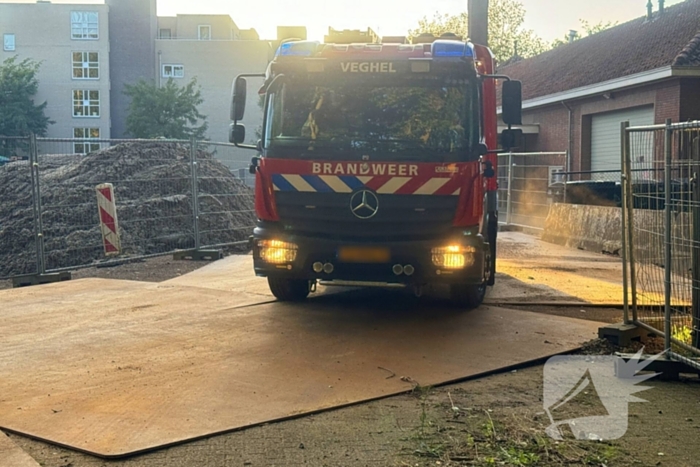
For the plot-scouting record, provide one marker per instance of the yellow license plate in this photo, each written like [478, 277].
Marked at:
[358, 254]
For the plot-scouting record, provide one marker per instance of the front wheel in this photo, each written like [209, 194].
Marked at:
[289, 290]
[468, 296]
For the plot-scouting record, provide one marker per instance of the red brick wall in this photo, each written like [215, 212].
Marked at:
[554, 119]
[668, 102]
[554, 128]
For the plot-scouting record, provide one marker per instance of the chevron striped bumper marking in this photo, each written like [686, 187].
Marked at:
[349, 183]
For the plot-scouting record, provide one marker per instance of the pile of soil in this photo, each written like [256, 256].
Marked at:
[153, 190]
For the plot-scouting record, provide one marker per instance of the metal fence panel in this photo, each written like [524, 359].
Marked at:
[18, 247]
[167, 195]
[225, 203]
[527, 186]
[151, 182]
[661, 166]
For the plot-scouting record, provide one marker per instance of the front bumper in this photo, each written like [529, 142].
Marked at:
[417, 253]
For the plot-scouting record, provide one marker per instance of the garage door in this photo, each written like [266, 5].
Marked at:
[605, 135]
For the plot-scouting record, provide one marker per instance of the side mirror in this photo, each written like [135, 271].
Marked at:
[512, 102]
[253, 167]
[511, 139]
[238, 98]
[236, 133]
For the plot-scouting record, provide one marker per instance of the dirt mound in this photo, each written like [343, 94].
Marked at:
[153, 189]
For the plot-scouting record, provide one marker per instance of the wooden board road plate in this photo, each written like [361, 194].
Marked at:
[114, 368]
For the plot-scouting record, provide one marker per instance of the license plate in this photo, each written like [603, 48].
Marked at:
[358, 254]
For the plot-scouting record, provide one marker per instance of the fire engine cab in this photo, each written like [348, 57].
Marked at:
[376, 165]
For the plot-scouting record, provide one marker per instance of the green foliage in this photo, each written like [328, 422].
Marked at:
[441, 23]
[506, 34]
[588, 28]
[169, 111]
[596, 28]
[682, 333]
[19, 116]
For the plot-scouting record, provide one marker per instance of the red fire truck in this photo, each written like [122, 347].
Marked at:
[377, 166]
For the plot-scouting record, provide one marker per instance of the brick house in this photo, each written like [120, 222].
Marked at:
[643, 71]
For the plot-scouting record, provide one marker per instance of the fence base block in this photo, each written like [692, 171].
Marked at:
[620, 334]
[39, 279]
[669, 370]
[198, 255]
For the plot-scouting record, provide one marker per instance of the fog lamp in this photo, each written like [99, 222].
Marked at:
[277, 251]
[454, 256]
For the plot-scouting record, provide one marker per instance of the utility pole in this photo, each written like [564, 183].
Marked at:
[478, 11]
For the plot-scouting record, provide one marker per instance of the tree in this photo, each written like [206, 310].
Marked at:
[507, 37]
[169, 111]
[19, 115]
[588, 28]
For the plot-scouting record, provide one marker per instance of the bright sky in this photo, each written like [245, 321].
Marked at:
[549, 18]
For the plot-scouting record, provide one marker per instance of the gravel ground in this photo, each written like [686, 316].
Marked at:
[150, 270]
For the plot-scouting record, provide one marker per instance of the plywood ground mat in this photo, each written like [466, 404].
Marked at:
[114, 368]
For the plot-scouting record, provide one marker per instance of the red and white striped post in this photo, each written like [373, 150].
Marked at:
[107, 206]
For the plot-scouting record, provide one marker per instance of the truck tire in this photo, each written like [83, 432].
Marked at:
[467, 296]
[289, 290]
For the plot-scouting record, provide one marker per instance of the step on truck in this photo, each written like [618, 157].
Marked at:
[377, 165]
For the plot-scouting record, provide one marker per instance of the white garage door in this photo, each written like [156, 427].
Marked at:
[605, 135]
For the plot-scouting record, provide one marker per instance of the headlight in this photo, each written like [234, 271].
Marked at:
[454, 256]
[277, 251]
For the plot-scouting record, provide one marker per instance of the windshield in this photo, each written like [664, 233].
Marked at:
[425, 120]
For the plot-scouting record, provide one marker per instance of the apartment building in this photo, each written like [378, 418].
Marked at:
[88, 52]
[132, 30]
[214, 50]
[72, 44]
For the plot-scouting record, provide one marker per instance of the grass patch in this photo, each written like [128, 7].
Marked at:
[449, 433]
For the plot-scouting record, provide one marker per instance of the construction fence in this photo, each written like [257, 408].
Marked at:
[168, 195]
[528, 184]
[661, 234]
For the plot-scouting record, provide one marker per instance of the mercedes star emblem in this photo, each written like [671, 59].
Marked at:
[364, 204]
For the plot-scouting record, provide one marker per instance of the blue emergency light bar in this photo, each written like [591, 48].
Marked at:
[448, 48]
[442, 48]
[298, 48]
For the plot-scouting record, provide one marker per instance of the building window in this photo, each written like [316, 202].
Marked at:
[86, 65]
[204, 33]
[87, 146]
[8, 42]
[84, 25]
[173, 71]
[86, 103]
[165, 34]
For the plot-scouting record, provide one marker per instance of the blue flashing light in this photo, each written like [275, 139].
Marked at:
[448, 48]
[298, 48]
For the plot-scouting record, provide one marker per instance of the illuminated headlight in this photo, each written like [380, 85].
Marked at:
[277, 251]
[454, 256]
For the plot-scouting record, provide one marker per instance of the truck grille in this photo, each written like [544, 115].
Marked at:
[398, 217]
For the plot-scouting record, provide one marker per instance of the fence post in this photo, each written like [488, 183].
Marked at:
[509, 201]
[567, 176]
[36, 198]
[668, 259]
[625, 181]
[195, 191]
[630, 224]
[695, 244]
